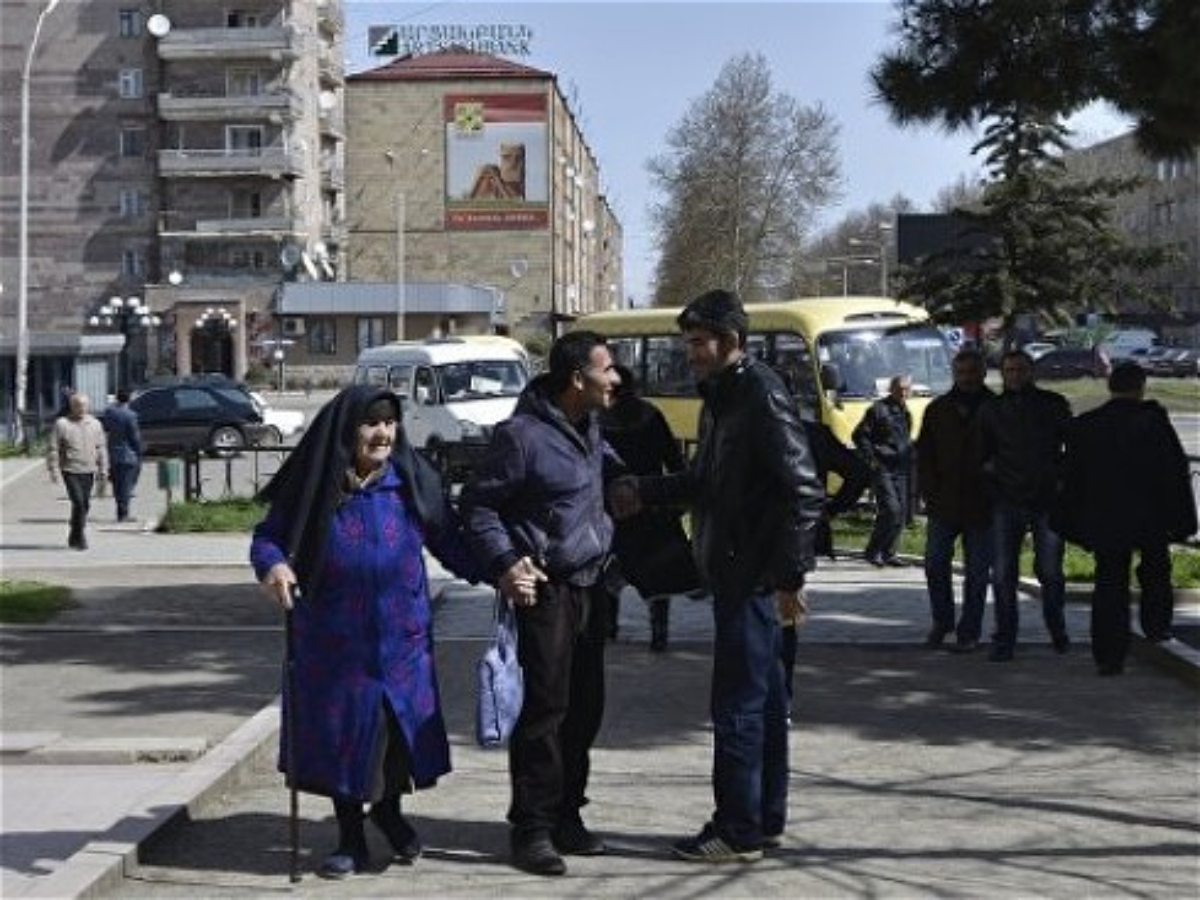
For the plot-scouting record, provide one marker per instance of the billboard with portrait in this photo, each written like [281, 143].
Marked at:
[497, 176]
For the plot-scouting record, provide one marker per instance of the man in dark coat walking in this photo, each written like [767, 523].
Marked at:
[950, 477]
[884, 438]
[1126, 489]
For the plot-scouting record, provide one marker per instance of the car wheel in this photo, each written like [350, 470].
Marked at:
[273, 437]
[225, 440]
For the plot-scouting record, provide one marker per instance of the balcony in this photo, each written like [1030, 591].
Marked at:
[275, 107]
[177, 225]
[278, 44]
[265, 162]
[330, 69]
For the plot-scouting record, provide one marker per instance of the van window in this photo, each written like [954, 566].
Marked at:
[399, 379]
[481, 379]
[424, 387]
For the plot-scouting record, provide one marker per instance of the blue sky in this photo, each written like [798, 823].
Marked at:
[630, 71]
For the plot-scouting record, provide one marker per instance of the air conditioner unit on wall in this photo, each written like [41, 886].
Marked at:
[293, 326]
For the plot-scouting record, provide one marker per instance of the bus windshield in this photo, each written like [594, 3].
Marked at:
[860, 362]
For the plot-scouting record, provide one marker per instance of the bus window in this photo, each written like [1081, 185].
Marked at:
[793, 360]
[866, 359]
[667, 372]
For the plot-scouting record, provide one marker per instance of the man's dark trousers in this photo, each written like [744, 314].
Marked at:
[1110, 600]
[79, 492]
[561, 648]
[749, 713]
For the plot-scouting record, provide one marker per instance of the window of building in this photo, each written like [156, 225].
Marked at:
[322, 337]
[133, 142]
[243, 258]
[129, 23]
[245, 205]
[244, 83]
[247, 139]
[239, 18]
[370, 332]
[133, 264]
[129, 83]
[133, 203]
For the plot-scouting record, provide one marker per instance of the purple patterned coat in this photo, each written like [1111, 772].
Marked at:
[365, 640]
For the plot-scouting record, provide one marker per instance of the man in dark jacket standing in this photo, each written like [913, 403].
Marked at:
[124, 451]
[534, 508]
[884, 438]
[1127, 488]
[950, 478]
[756, 499]
[1022, 433]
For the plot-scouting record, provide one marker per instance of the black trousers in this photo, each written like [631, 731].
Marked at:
[79, 492]
[561, 647]
[1110, 599]
[891, 513]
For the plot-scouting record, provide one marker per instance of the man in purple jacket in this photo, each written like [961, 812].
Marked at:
[535, 515]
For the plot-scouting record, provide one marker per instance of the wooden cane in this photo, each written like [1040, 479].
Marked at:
[289, 741]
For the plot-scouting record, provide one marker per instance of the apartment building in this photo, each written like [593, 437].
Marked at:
[1165, 209]
[184, 160]
[468, 170]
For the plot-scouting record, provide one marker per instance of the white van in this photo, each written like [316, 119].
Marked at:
[1122, 343]
[454, 391]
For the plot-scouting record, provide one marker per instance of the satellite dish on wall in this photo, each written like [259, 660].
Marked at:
[289, 257]
[311, 267]
[518, 267]
[158, 25]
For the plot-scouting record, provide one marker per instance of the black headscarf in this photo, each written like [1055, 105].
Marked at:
[309, 484]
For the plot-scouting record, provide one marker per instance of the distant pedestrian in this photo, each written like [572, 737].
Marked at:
[78, 453]
[950, 479]
[755, 498]
[651, 547]
[125, 451]
[353, 508]
[1127, 490]
[884, 438]
[1021, 441]
[535, 510]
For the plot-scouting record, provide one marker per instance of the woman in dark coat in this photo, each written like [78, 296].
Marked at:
[351, 510]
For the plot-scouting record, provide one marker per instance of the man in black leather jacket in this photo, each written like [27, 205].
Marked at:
[1022, 434]
[755, 500]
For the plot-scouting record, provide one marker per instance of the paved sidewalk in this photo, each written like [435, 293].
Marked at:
[139, 737]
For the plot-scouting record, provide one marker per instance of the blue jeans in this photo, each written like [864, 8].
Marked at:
[1009, 525]
[940, 536]
[124, 480]
[749, 712]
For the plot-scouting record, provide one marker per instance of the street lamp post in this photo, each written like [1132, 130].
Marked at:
[23, 248]
[127, 315]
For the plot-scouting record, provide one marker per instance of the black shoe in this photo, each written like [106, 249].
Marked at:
[346, 860]
[536, 854]
[964, 645]
[895, 562]
[772, 841]
[399, 833]
[936, 635]
[573, 839]
[710, 847]
[1159, 637]
[1062, 644]
[1106, 669]
[876, 560]
[1001, 653]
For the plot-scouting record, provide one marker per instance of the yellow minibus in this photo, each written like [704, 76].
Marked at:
[836, 355]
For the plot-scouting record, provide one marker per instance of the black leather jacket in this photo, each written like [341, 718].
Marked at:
[753, 485]
[1022, 434]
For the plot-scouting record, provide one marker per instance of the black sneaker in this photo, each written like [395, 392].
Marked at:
[936, 635]
[536, 854]
[772, 841]
[573, 839]
[345, 861]
[1062, 644]
[710, 847]
[1000, 653]
[1109, 669]
[402, 837]
[964, 645]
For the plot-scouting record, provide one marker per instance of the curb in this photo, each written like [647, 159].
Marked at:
[101, 866]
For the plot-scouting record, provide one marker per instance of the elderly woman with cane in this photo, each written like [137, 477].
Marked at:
[351, 511]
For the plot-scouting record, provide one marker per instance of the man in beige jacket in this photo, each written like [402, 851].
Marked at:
[79, 453]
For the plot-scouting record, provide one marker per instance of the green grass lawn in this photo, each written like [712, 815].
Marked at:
[31, 602]
[240, 514]
[850, 532]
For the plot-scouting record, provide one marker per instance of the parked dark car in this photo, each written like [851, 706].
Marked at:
[1169, 362]
[214, 418]
[1072, 362]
